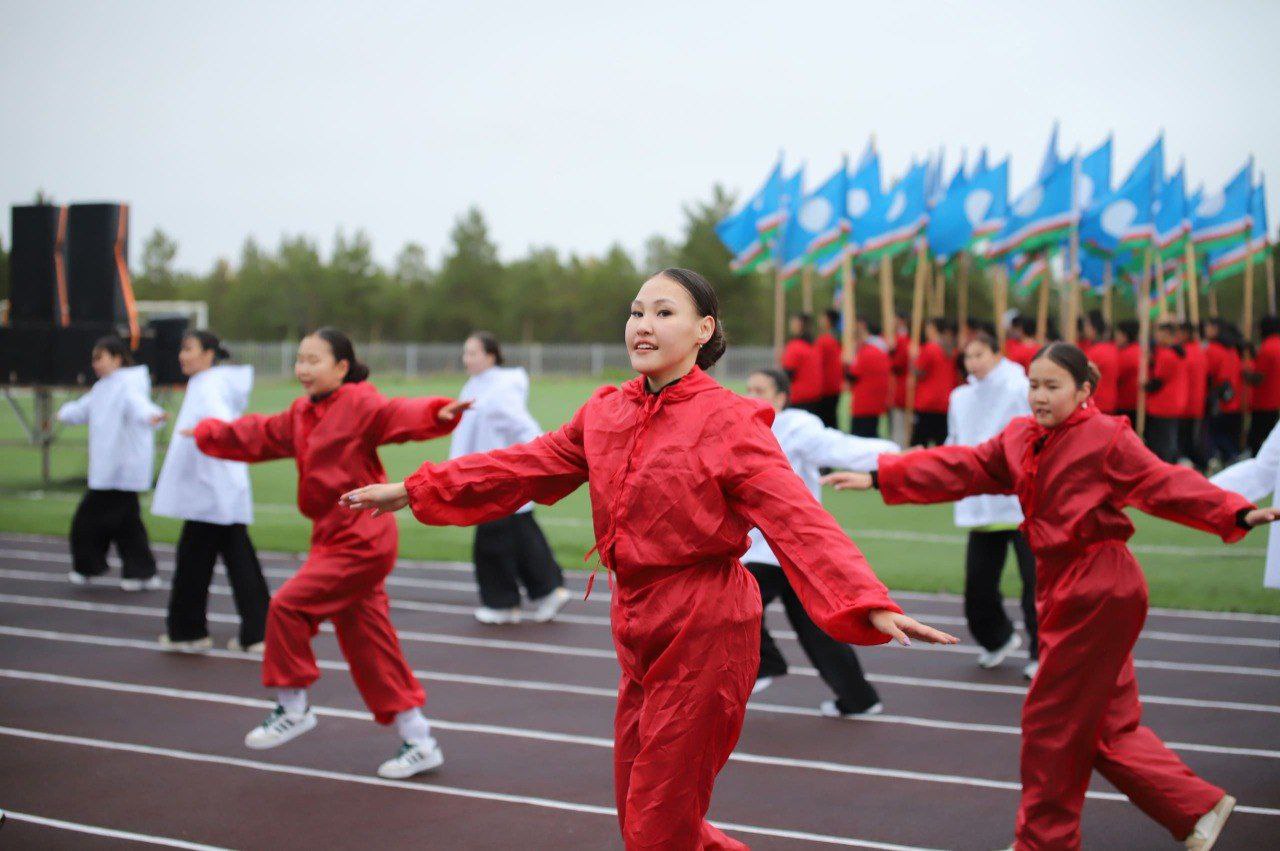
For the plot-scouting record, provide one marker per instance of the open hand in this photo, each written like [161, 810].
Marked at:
[156, 419]
[454, 409]
[846, 481]
[1261, 516]
[381, 499]
[900, 627]
[187, 432]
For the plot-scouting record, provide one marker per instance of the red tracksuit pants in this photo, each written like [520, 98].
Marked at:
[689, 647]
[346, 588]
[1082, 711]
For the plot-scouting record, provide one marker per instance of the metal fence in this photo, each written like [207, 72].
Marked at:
[412, 359]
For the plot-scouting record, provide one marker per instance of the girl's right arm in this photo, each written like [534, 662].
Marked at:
[1255, 478]
[253, 437]
[76, 412]
[945, 473]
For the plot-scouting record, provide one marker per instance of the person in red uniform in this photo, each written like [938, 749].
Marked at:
[1074, 470]
[1264, 377]
[936, 377]
[802, 362]
[899, 362]
[1191, 428]
[1099, 348]
[829, 351]
[1166, 393]
[333, 434]
[1226, 386]
[1019, 343]
[1128, 358]
[869, 382]
[680, 469]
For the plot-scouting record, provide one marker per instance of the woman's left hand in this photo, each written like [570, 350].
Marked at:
[1262, 516]
[454, 409]
[901, 627]
[380, 498]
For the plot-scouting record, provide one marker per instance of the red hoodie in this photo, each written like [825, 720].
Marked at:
[803, 362]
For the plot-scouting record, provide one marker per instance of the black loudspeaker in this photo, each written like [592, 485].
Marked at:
[26, 354]
[98, 286]
[159, 350]
[37, 273]
[73, 352]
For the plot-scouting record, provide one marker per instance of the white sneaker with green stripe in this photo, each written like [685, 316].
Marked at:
[279, 728]
[412, 758]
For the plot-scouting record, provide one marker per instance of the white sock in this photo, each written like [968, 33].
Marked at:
[413, 726]
[294, 700]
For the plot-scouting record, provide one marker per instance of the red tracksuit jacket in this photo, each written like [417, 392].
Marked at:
[803, 362]
[1106, 357]
[677, 479]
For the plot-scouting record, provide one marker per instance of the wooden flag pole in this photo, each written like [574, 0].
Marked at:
[1000, 302]
[1246, 310]
[917, 311]
[1108, 284]
[887, 323]
[940, 291]
[1144, 341]
[1162, 309]
[1213, 302]
[779, 314]
[1193, 292]
[962, 292]
[1042, 309]
[806, 290]
[1073, 288]
[848, 307]
[1271, 281]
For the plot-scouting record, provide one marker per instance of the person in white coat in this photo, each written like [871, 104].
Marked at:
[1254, 479]
[122, 420]
[810, 446]
[995, 393]
[511, 552]
[214, 500]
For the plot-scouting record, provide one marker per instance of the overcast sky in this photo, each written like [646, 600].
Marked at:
[580, 124]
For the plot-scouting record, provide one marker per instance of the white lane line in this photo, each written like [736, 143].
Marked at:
[966, 649]
[108, 832]
[431, 788]
[610, 694]
[594, 653]
[602, 595]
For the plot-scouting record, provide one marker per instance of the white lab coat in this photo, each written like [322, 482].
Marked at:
[122, 442]
[195, 486]
[500, 416]
[1254, 479]
[980, 410]
[809, 446]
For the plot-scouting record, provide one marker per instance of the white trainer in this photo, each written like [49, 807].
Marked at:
[279, 728]
[195, 645]
[549, 606]
[761, 684]
[1030, 670]
[235, 646]
[412, 758]
[831, 710]
[154, 583]
[79, 578]
[1209, 827]
[992, 658]
[484, 614]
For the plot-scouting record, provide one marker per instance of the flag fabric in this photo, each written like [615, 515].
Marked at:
[865, 194]
[1231, 261]
[1027, 272]
[1051, 161]
[972, 208]
[817, 232]
[1043, 214]
[1172, 217]
[890, 226]
[1221, 219]
[1123, 221]
[1093, 180]
[748, 233]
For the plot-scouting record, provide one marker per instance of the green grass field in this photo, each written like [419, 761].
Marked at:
[912, 548]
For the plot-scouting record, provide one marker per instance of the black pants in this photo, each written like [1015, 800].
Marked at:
[930, 429]
[1162, 438]
[1224, 436]
[106, 517]
[199, 546]
[865, 426]
[830, 414]
[814, 407]
[984, 560]
[837, 664]
[512, 552]
[1191, 442]
[1260, 425]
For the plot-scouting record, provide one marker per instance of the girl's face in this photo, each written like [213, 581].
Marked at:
[1054, 394]
[105, 363]
[474, 358]
[193, 358]
[665, 330]
[979, 360]
[761, 386]
[316, 369]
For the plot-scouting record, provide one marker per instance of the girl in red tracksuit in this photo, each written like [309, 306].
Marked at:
[680, 469]
[1074, 470]
[333, 434]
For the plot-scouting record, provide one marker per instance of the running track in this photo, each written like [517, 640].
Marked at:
[105, 742]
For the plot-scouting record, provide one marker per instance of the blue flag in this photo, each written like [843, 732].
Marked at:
[1051, 160]
[891, 225]
[1043, 214]
[1221, 219]
[1093, 181]
[748, 233]
[818, 230]
[1172, 216]
[970, 203]
[1123, 220]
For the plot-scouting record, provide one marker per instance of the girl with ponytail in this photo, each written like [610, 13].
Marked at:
[680, 470]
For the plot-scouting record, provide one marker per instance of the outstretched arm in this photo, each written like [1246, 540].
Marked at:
[254, 437]
[1255, 478]
[401, 420]
[945, 473]
[830, 447]
[76, 412]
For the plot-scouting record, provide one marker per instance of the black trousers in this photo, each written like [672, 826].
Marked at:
[1162, 438]
[1260, 425]
[512, 552]
[814, 407]
[865, 426]
[1191, 442]
[837, 664]
[930, 429]
[1224, 436]
[107, 517]
[830, 413]
[984, 560]
[199, 546]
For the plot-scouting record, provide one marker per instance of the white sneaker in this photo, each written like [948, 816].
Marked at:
[235, 646]
[412, 758]
[992, 658]
[195, 645]
[484, 614]
[830, 710]
[1029, 670]
[279, 728]
[761, 684]
[1210, 825]
[154, 583]
[78, 578]
[549, 606]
